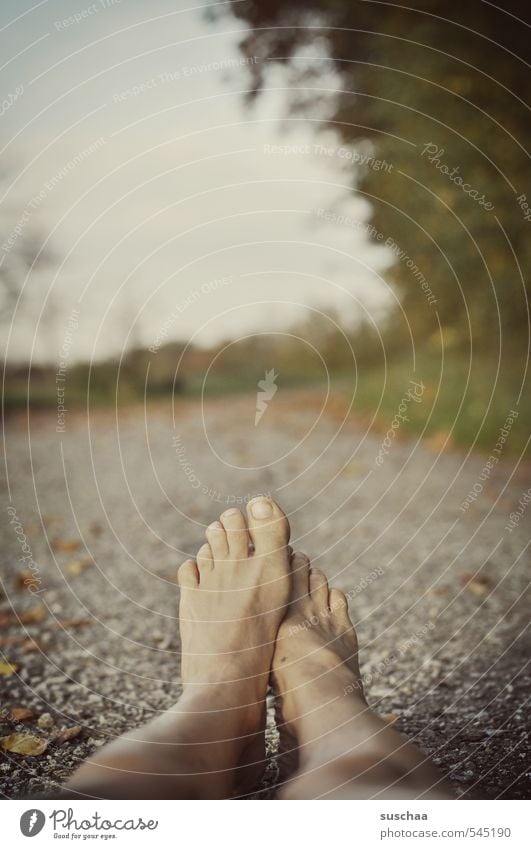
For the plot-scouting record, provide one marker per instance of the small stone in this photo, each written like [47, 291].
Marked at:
[45, 721]
[93, 741]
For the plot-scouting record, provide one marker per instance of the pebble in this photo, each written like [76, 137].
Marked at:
[46, 721]
[101, 674]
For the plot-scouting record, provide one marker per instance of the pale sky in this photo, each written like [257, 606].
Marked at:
[173, 186]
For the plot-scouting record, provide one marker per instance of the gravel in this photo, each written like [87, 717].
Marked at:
[108, 511]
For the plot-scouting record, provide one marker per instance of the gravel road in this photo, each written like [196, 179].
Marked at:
[105, 511]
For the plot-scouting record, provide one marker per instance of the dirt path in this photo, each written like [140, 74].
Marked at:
[437, 593]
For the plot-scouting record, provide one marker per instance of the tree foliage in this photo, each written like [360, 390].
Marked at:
[453, 76]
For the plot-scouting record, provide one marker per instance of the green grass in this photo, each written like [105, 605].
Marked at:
[450, 403]
[473, 410]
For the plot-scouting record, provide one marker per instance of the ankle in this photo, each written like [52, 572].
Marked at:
[309, 705]
[323, 730]
[218, 707]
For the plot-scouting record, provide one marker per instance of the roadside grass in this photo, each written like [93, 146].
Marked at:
[455, 404]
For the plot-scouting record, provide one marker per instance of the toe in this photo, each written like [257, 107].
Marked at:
[300, 570]
[215, 534]
[188, 576]
[237, 533]
[337, 601]
[268, 526]
[319, 588]
[204, 557]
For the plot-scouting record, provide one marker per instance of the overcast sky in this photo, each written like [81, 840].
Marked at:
[128, 151]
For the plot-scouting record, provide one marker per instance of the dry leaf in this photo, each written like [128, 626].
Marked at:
[36, 614]
[20, 714]
[76, 567]
[7, 619]
[7, 669]
[72, 623]
[67, 734]
[30, 617]
[66, 544]
[390, 718]
[23, 579]
[477, 584]
[351, 470]
[48, 521]
[479, 587]
[441, 441]
[23, 744]
[29, 645]
[11, 640]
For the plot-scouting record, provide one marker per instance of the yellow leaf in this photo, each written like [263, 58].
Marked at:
[36, 614]
[76, 567]
[66, 544]
[7, 669]
[23, 744]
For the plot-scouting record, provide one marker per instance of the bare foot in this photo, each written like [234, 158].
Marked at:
[344, 749]
[232, 601]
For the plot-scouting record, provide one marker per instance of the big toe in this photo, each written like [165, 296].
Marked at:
[188, 575]
[268, 526]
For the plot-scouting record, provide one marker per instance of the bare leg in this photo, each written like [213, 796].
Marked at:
[344, 749]
[232, 602]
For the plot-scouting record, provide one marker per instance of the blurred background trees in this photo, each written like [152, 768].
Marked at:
[451, 75]
[433, 100]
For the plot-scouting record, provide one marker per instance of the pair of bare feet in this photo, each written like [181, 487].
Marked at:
[253, 612]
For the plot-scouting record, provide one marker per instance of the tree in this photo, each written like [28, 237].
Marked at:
[441, 93]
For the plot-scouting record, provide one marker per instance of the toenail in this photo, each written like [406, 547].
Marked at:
[231, 512]
[215, 526]
[261, 509]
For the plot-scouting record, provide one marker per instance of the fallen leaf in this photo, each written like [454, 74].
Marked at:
[351, 470]
[439, 442]
[23, 579]
[11, 640]
[67, 734]
[7, 669]
[390, 718]
[66, 544]
[29, 617]
[478, 587]
[36, 614]
[477, 584]
[29, 645]
[20, 714]
[47, 521]
[76, 567]
[72, 623]
[6, 619]
[23, 744]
